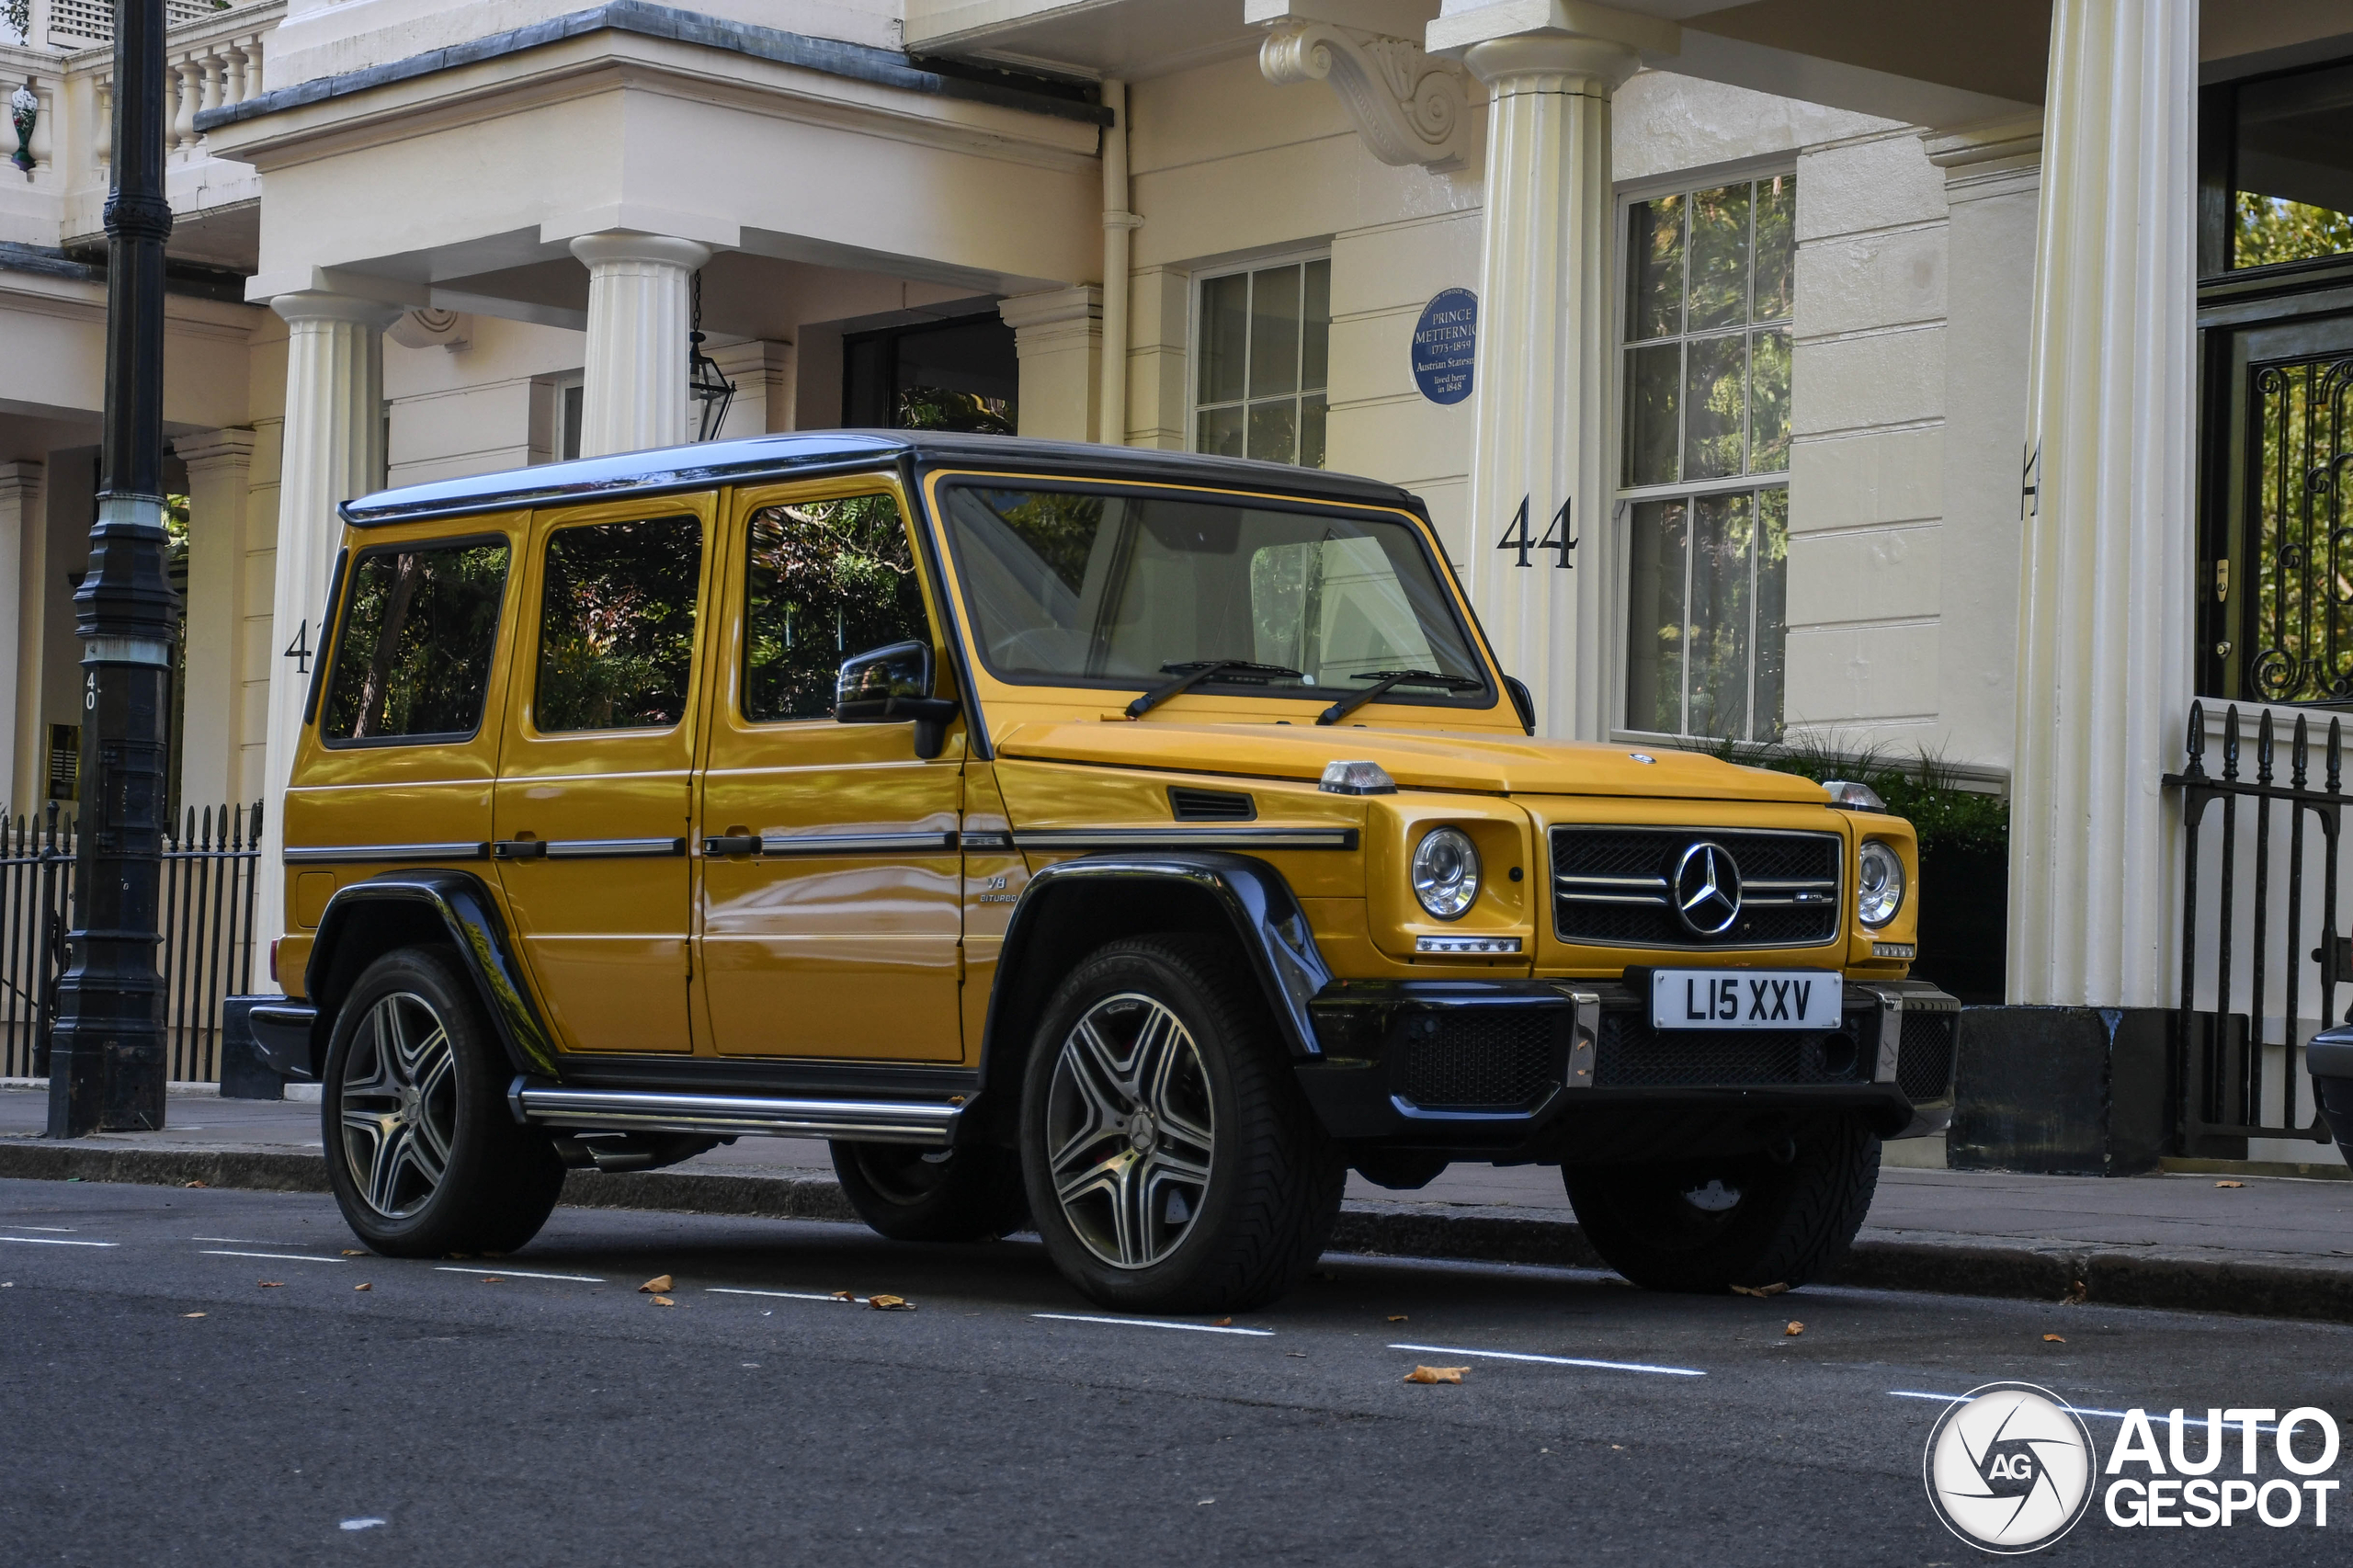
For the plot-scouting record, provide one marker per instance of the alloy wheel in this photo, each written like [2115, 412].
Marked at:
[399, 1104]
[1131, 1131]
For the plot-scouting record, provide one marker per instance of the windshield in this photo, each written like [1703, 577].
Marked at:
[1091, 588]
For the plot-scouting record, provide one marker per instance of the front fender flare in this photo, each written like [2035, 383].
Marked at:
[467, 912]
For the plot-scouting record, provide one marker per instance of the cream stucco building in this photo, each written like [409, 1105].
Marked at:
[1868, 352]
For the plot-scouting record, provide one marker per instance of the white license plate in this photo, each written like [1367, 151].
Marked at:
[1744, 999]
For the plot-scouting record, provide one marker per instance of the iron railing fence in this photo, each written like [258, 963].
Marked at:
[2231, 1079]
[209, 897]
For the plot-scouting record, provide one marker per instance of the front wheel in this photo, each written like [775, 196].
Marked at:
[1172, 1163]
[1752, 1219]
[424, 1155]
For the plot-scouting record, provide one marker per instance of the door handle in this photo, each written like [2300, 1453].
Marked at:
[732, 844]
[518, 849]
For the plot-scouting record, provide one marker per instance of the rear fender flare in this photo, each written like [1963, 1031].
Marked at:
[366, 919]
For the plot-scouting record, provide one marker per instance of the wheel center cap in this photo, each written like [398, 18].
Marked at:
[1142, 1134]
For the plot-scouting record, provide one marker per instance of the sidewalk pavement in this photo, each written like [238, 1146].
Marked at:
[2270, 1246]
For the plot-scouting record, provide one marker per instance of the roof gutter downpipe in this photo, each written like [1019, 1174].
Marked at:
[1118, 223]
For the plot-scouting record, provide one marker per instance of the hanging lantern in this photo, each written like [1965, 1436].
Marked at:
[711, 390]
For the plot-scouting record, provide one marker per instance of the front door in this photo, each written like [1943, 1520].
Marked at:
[595, 794]
[830, 906]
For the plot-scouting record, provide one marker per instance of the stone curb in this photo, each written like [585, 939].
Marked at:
[2260, 1285]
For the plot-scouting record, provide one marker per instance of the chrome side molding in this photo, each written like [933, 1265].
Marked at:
[931, 1123]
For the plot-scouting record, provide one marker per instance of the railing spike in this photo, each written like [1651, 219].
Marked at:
[2263, 749]
[2195, 767]
[2231, 744]
[2297, 763]
[2335, 756]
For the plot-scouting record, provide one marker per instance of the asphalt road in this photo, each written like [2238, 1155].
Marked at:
[541, 1409]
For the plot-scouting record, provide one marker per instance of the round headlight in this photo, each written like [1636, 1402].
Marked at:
[1878, 889]
[1446, 872]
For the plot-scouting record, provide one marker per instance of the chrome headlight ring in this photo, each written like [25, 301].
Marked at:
[1879, 884]
[1445, 872]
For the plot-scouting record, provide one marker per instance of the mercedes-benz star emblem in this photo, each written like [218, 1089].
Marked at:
[1707, 890]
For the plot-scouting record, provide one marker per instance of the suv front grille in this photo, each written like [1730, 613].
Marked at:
[1613, 886]
[1925, 1052]
[1489, 1059]
[1631, 1054]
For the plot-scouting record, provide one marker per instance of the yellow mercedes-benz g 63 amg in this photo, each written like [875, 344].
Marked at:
[1119, 842]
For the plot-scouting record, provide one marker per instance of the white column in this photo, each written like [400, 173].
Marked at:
[1058, 337]
[333, 450]
[2104, 640]
[1543, 388]
[634, 391]
[220, 464]
[23, 540]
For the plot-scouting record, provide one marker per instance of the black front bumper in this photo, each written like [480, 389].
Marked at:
[1538, 1068]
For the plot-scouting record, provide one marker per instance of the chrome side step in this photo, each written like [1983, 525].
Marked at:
[931, 1123]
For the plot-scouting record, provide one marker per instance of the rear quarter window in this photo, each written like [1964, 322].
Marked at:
[419, 633]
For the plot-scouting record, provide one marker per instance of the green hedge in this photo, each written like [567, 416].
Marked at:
[1923, 790]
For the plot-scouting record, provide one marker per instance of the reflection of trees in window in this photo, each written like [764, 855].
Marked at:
[936, 408]
[419, 627]
[616, 625]
[1706, 652]
[823, 580]
[2269, 229]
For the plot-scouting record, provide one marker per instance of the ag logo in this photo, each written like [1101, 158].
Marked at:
[2010, 1468]
[1707, 889]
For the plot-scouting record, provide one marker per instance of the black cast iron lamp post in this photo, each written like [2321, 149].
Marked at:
[106, 1065]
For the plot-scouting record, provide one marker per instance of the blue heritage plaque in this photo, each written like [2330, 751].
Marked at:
[1445, 340]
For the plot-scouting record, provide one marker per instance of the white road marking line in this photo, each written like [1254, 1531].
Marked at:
[517, 1274]
[55, 1242]
[783, 1295]
[246, 1241]
[60, 1230]
[2078, 1409]
[1155, 1322]
[1556, 1360]
[273, 1256]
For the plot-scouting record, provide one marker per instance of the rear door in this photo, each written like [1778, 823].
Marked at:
[595, 795]
[829, 877]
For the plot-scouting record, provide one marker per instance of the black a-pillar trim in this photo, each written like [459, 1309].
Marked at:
[107, 1061]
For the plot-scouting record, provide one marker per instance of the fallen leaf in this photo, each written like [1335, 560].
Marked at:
[1436, 1374]
[1399, 1317]
[664, 1301]
[363, 1287]
[656, 1285]
[2076, 1295]
[269, 1284]
[1759, 1291]
[2052, 1339]
[1228, 1322]
[194, 1184]
[492, 1280]
[2230, 1184]
[845, 1296]
[354, 1252]
[191, 1314]
[890, 1303]
[1794, 1329]
[459, 1256]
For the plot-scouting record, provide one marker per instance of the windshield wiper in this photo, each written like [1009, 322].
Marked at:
[1384, 679]
[1193, 674]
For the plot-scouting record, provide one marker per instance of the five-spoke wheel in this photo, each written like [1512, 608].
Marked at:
[399, 1104]
[1132, 1128]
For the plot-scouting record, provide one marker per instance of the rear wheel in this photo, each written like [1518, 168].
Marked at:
[933, 1194]
[1173, 1165]
[422, 1152]
[1752, 1219]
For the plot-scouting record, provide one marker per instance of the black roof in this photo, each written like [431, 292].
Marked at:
[671, 469]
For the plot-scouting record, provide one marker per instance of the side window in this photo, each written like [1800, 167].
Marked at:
[420, 627]
[616, 625]
[823, 581]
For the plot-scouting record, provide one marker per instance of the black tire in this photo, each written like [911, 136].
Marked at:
[1668, 1226]
[1269, 1191]
[934, 1195]
[423, 1153]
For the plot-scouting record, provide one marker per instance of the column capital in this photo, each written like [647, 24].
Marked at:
[1081, 306]
[1464, 25]
[620, 247]
[312, 305]
[18, 478]
[214, 448]
[2005, 151]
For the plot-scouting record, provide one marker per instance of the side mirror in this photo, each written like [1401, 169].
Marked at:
[893, 686]
[1523, 702]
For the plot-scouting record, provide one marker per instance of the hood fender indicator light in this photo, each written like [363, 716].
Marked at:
[1356, 779]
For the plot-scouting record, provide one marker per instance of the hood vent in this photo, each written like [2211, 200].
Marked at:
[1210, 805]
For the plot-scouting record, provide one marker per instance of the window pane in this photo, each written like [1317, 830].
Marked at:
[1311, 431]
[1769, 402]
[823, 581]
[1226, 333]
[1220, 432]
[1713, 417]
[1654, 269]
[1776, 245]
[1316, 324]
[616, 625]
[1654, 617]
[1721, 529]
[1654, 384]
[1274, 331]
[1772, 611]
[2294, 163]
[1274, 431]
[419, 628]
[1719, 256]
